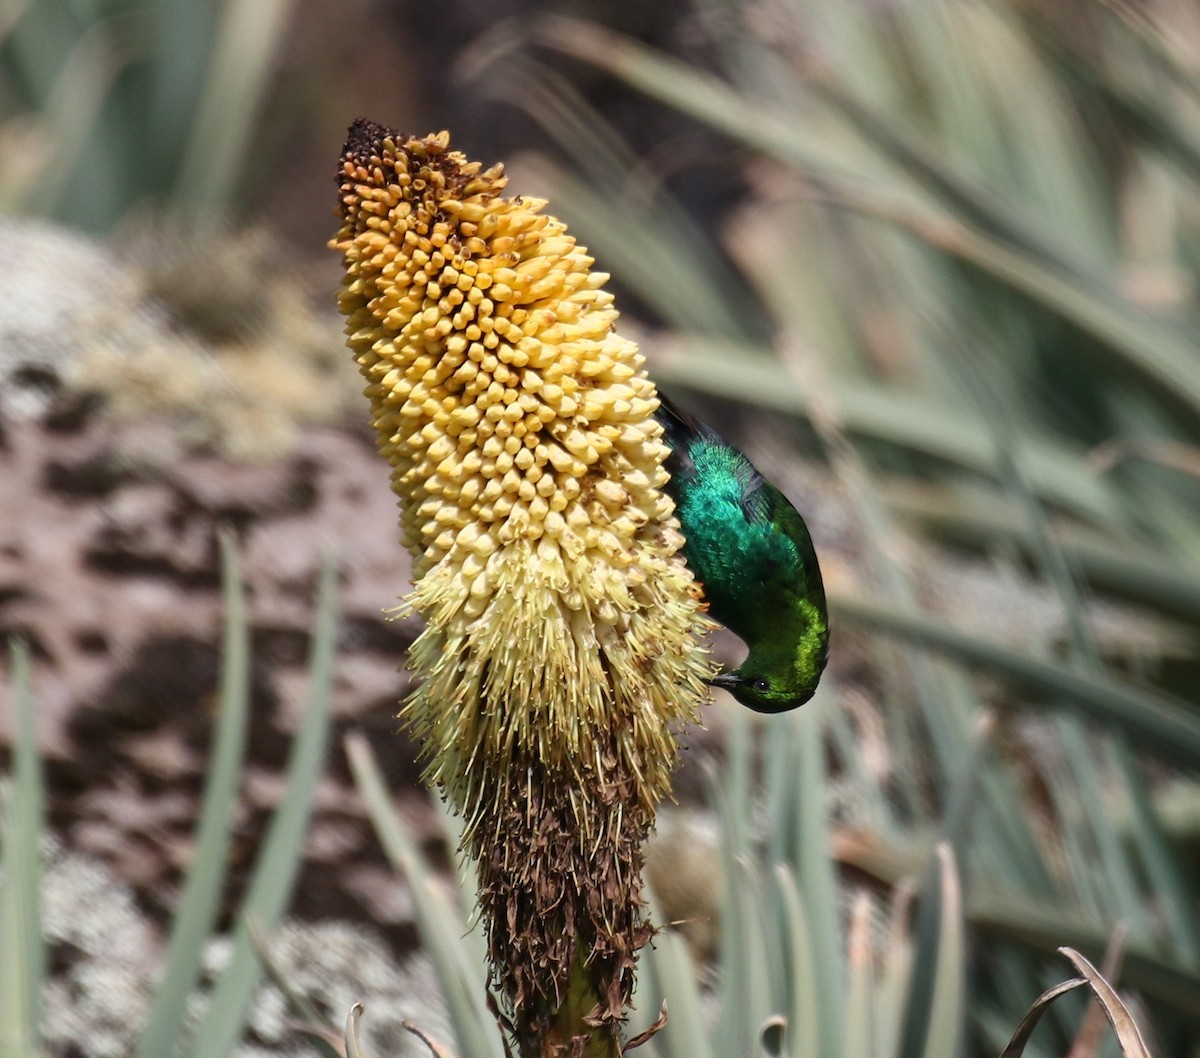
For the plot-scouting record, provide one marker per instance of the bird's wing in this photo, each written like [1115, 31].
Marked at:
[674, 415]
[682, 428]
[808, 570]
[758, 498]
[682, 431]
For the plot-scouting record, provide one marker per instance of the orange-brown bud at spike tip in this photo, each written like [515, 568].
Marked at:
[563, 642]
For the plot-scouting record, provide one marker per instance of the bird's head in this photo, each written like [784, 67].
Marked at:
[775, 678]
[764, 692]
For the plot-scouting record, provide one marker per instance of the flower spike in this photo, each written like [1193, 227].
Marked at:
[562, 646]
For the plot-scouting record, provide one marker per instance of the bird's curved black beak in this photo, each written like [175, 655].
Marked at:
[727, 681]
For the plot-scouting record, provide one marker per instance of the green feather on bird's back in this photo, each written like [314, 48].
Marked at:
[752, 554]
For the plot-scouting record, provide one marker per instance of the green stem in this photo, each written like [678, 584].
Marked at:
[571, 1021]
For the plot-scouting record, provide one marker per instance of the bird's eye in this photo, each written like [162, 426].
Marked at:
[762, 685]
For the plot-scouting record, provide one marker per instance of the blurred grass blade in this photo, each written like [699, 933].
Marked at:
[248, 35]
[860, 999]
[779, 768]
[963, 786]
[38, 41]
[733, 794]
[974, 203]
[22, 950]
[1132, 1044]
[658, 257]
[1134, 109]
[1162, 47]
[869, 412]
[667, 972]
[200, 903]
[278, 861]
[947, 999]
[1016, 1046]
[746, 995]
[353, 1050]
[816, 873]
[37, 178]
[435, 1048]
[734, 1028]
[177, 66]
[1120, 567]
[736, 789]
[896, 969]
[1174, 888]
[934, 1016]
[314, 1025]
[804, 1009]
[551, 99]
[701, 95]
[1156, 720]
[1042, 927]
[1129, 338]
[1159, 351]
[462, 984]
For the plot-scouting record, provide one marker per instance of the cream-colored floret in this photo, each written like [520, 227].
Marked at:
[520, 431]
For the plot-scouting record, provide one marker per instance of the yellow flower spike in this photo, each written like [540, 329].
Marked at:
[562, 644]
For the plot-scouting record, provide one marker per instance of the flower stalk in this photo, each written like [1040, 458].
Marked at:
[562, 649]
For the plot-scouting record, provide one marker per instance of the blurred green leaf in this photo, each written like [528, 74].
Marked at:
[817, 878]
[1121, 567]
[667, 970]
[278, 862]
[249, 32]
[1172, 888]
[200, 903]
[860, 1032]
[1151, 346]
[998, 913]
[22, 949]
[897, 964]
[946, 1001]
[1155, 719]
[923, 1012]
[907, 421]
[121, 106]
[804, 1004]
[463, 984]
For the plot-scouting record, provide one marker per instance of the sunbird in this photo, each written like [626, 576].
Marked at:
[752, 554]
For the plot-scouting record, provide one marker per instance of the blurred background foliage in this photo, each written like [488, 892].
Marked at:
[945, 251]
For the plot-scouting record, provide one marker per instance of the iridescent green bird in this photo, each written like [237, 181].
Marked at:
[751, 552]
